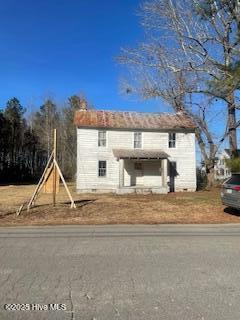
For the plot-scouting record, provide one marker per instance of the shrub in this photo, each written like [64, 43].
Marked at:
[233, 164]
[201, 180]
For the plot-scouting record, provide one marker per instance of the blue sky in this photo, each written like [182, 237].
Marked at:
[61, 47]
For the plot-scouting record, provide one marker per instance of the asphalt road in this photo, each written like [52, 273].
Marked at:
[121, 272]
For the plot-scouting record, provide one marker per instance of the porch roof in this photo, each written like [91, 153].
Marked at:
[139, 154]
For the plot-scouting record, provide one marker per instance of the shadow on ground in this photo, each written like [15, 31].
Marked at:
[232, 211]
[80, 203]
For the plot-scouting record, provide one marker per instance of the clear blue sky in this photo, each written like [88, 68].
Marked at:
[62, 47]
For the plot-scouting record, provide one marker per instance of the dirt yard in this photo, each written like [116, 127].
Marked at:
[198, 207]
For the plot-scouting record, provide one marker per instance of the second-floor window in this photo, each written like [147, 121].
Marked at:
[172, 140]
[102, 138]
[137, 140]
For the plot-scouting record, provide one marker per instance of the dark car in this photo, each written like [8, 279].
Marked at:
[230, 193]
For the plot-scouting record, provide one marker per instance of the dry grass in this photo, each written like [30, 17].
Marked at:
[198, 207]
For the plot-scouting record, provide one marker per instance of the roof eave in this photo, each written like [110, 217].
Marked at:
[178, 129]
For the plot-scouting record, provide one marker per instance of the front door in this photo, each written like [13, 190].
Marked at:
[138, 166]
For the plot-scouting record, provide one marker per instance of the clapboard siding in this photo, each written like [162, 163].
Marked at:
[88, 155]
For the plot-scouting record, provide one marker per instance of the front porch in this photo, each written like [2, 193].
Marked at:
[142, 171]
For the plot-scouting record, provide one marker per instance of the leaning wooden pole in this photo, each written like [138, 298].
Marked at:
[40, 183]
[65, 185]
[54, 166]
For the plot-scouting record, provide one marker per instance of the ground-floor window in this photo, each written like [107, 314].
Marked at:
[102, 168]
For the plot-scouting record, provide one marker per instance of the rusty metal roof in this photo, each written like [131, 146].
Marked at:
[132, 120]
[139, 154]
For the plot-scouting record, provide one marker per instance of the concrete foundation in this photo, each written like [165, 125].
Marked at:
[128, 190]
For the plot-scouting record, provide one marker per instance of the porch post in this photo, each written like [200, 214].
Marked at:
[121, 173]
[164, 172]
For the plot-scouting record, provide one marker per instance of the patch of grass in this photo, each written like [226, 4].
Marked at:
[188, 207]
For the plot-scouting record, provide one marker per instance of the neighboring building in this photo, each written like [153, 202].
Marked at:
[221, 170]
[127, 152]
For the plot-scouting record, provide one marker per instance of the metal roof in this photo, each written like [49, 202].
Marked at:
[132, 120]
[139, 154]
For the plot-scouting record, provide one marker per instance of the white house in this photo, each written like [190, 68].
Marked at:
[221, 170]
[126, 152]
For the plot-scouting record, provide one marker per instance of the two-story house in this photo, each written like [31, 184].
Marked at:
[127, 152]
[221, 170]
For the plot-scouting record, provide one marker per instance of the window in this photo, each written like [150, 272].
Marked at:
[102, 168]
[221, 172]
[137, 140]
[172, 140]
[102, 138]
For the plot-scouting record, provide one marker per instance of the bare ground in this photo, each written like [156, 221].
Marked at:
[197, 207]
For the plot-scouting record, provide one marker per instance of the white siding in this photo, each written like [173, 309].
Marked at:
[88, 155]
[185, 156]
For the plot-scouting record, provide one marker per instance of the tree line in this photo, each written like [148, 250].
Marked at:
[26, 141]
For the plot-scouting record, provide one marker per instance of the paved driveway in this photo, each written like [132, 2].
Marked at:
[121, 272]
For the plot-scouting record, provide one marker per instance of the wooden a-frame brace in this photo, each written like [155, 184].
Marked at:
[42, 182]
[53, 167]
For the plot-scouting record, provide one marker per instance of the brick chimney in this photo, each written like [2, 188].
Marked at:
[83, 105]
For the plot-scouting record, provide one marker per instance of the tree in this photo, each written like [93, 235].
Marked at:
[223, 19]
[184, 51]
[48, 117]
[32, 153]
[13, 114]
[25, 146]
[19, 147]
[233, 164]
[5, 133]
[44, 121]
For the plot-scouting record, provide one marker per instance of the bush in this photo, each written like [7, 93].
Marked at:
[201, 180]
[233, 164]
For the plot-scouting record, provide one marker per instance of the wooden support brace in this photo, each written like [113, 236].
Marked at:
[53, 167]
[65, 185]
[40, 183]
